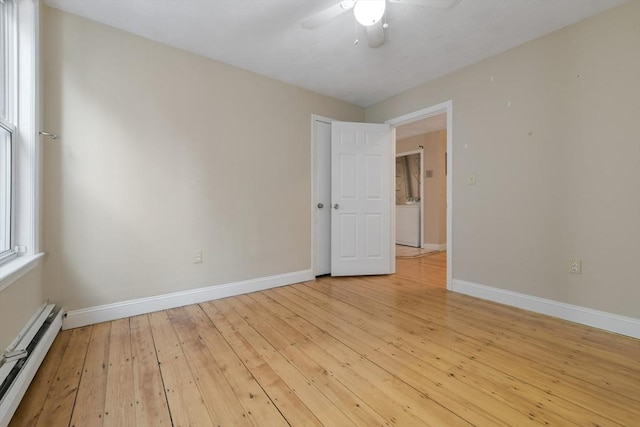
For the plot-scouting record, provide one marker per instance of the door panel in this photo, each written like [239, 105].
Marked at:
[373, 183]
[374, 237]
[361, 190]
[348, 174]
[348, 230]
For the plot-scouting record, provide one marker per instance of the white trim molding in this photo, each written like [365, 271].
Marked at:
[16, 268]
[119, 310]
[28, 161]
[623, 325]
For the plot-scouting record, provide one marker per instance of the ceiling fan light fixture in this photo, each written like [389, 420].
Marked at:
[369, 12]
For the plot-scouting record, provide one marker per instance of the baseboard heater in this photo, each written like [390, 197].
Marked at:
[20, 362]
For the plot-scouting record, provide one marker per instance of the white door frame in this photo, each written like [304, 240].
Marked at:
[425, 113]
[421, 152]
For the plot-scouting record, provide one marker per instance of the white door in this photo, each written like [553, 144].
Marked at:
[362, 180]
[322, 193]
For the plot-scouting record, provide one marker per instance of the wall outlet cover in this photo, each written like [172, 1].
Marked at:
[575, 266]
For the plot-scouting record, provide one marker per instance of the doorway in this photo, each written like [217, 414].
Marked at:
[414, 123]
[320, 195]
[352, 196]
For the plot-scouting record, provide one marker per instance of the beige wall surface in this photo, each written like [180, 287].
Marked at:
[163, 153]
[435, 188]
[18, 303]
[552, 130]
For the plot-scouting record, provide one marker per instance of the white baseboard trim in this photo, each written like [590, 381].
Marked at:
[119, 310]
[623, 325]
[435, 246]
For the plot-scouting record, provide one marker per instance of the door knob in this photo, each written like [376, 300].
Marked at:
[320, 205]
[336, 206]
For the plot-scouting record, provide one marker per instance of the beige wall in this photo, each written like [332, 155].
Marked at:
[18, 303]
[552, 130]
[435, 188]
[162, 153]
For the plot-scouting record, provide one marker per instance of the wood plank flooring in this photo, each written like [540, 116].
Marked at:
[387, 350]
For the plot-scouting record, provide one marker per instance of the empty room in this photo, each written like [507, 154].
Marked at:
[319, 213]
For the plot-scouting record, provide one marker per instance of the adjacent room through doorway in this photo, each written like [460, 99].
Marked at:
[421, 200]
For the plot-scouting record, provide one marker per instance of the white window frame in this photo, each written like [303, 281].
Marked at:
[25, 150]
[8, 114]
[6, 194]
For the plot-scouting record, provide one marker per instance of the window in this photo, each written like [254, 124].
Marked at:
[8, 90]
[19, 149]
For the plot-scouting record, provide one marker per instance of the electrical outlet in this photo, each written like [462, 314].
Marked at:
[197, 257]
[575, 266]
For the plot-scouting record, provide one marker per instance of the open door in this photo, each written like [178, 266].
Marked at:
[361, 202]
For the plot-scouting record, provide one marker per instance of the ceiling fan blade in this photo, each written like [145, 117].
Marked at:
[375, 34]
[443, 4]
[327, 15]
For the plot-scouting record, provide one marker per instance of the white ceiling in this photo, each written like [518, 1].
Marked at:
[265, 36]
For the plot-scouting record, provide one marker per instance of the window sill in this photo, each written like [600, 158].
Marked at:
[16, 268]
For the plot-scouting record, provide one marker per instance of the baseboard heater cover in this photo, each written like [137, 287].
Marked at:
[19, 364]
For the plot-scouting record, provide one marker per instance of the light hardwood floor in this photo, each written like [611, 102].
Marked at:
[397, 351]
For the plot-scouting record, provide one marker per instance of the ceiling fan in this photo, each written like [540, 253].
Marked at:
[369, 13]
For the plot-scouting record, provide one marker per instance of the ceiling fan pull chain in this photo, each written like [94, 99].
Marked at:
[356, 41]
[385, 25]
